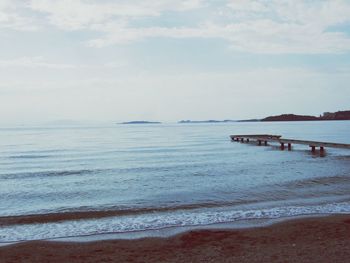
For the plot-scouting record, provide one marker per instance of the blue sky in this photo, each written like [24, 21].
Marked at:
[169, 60]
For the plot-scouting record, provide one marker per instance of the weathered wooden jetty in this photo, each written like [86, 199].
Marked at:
[266, 138]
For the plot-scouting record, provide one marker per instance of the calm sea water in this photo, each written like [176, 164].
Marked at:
[73, 181]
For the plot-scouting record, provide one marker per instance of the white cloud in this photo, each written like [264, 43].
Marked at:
[80, 14]
[256, 26]
[260, 36]
[115, 34]
[12, 17]
[259, 26]
[33, 62]
[290, 26]
[247, 5]
[40, 63]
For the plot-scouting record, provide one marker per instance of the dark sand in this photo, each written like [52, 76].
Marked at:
[303, 240]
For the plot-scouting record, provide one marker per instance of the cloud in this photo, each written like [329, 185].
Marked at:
[80, 14]
[261, 36]
[12, 16]
[254, 26]
[323, 13]
[260, 26]
[33, 62]
[40, 62]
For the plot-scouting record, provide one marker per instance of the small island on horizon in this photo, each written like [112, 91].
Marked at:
[205, 121]
[140, 122]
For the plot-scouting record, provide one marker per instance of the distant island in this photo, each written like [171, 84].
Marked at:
[206, 121]
[327, 116]
[249, 120]
[141, 122]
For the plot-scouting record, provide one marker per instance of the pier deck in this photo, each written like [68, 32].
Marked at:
[265, 138]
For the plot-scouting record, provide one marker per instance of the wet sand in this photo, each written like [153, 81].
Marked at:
[324, 239]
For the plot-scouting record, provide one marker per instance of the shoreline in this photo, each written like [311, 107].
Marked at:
[158, 225]
[307, 239]
[171, 231]
[167, 232]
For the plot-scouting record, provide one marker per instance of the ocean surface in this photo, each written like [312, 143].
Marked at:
[87, 180]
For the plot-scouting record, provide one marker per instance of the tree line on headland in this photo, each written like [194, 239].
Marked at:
[327, 116]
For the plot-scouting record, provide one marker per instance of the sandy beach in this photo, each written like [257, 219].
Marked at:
[324, 239]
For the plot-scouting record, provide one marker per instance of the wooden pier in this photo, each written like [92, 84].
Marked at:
[266, 138]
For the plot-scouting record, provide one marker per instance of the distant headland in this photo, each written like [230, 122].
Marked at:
[327, 116]
[140, 122]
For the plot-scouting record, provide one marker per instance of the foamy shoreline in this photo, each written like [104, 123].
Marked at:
[315, 239]
[168, 232]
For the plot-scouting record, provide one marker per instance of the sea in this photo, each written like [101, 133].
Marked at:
[61, 182]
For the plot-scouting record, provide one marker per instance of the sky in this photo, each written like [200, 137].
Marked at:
[167, 60]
